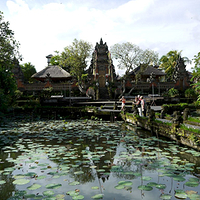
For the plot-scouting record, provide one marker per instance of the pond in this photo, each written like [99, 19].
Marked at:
[94, 159]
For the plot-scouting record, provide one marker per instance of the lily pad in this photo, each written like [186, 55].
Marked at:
[35, 186]
[180, 194]
[79, 172]
[21, 181]
[152, 184]
[60, 196]
[95, 188]
[48, 193]
[41, 177]
[2, 182]
[192, 183]
[74, 183]
[146, 178]
[97, 196]
[78, 197]
[160, 186]
[165, 196]
[53, 186]
[145, 187]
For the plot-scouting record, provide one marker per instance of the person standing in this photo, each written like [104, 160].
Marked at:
[143, 106]
[123, 100]
[138, 105]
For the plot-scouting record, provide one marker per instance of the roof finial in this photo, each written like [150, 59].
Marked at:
[101, 41]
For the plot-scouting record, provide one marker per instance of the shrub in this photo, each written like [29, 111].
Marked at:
[190, 93]
[173, 92]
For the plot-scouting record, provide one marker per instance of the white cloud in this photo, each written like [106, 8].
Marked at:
[163, 25]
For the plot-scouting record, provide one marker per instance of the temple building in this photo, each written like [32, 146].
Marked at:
[101, 70]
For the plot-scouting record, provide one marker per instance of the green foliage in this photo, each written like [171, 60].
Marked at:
[46, 93]
[130, 56]
[74, 58]
[196, 68]
[190, 93]
[194, 119]
[28, 70]
[8, 58]
[173, 92]
[169, 62]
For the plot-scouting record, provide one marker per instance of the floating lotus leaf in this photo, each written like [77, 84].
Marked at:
[95, 188]
[53, 186]
[192, 183]
[100, 170]
[137, 174]
[72, 193]
[9, 169]
[179, 178]
[35, 186]
[79, 172]
[193, 196]
[48, 193]
[180, 194]
[60, 196]
[193, 179]
[34, 167]
[125, 183]
[74, 183]
[32, 174]
[97, 196]
[160, 186]
[41, 177]
[119, 187]
[146, 178]
[39, 197]
[152, 184]
[21, 181]
[78, 197]
[2, 182]
[165, 196]
[93, 166]
[145, 187]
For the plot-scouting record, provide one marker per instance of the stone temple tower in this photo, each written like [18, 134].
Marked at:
[101, 69]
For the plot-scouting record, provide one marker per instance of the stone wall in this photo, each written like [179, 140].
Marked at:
[169, 130]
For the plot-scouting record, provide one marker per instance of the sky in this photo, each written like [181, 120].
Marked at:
[45, 26]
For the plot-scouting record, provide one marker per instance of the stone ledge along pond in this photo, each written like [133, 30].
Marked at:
[93, 159]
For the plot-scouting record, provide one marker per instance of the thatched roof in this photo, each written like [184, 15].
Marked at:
[148, 71]
[54, 72]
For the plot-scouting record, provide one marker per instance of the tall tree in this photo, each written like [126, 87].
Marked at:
[28, 70]
[169, 62]
[196, 68]
[74, 59]
[8, 55]
[130, 56]
[196, 74]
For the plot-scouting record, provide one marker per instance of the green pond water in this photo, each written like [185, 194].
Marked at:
[93, 159]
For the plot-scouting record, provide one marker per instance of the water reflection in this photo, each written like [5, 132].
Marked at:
[95, 157]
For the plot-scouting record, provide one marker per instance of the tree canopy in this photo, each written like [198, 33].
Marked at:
[169, 62]
[28, 70]
[9, 54]
[130, 56]
[74, 58]
[196, 68]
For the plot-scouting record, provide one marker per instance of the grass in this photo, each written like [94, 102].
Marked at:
[190, 129]
[194, 119]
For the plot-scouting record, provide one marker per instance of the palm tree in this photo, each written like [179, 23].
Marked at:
[169, 62]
